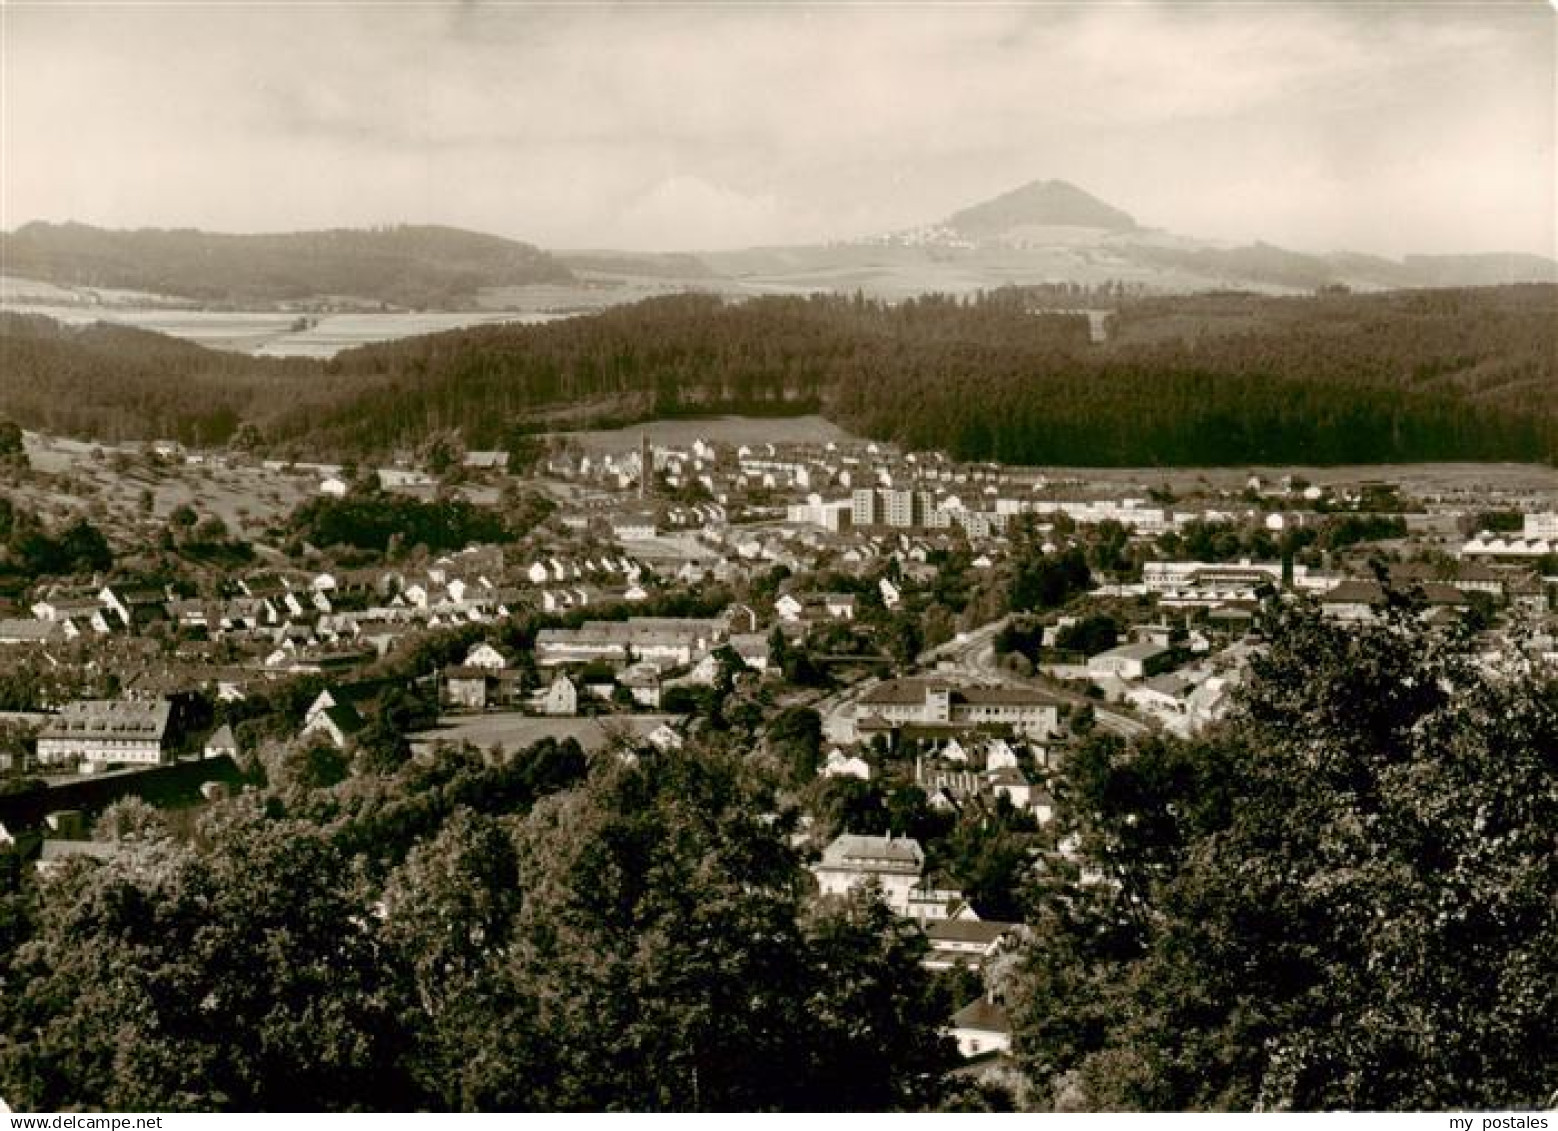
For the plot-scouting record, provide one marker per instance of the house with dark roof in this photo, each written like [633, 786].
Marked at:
[981, 1027]
[340, 723]
[479, 687]
[1357, 601]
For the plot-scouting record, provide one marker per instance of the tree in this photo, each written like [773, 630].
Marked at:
[875, 994]
[1097, 632]
[795, 737]
[442, 453]
[447, 910]
[239, 977]
[659, 943]
[130, 818]
[311, 762]
[1340, 900]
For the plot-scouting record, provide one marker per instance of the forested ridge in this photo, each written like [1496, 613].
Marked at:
[405, 265]
[1199, 380]
[111, 382]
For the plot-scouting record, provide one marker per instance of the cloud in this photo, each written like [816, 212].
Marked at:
[722, 126]
[687, 212]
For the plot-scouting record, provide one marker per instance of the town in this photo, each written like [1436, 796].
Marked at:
[915, 642]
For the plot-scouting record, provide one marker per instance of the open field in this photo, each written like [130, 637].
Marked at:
[271, 333]
[336, 332]
[1419, 479]
[513, 731]
[714, 429]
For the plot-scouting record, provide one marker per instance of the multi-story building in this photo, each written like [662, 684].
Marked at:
[107, 732]
[935, 703]
[866, 511]
[898, 508]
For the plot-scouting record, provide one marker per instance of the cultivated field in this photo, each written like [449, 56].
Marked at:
[271, 333]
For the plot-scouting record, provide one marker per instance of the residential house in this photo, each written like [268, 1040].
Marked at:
[478, 687]
[840, 765]
[40, 632]
[55, 851]
[561, 697]
[894, 863]
[664, 738]
[487, 461]
[339, 722]
[982, 1027]
[221, 743]
[1358, 601]
[1131, 661]
[88, 612]
[965, 939]
[135, 608]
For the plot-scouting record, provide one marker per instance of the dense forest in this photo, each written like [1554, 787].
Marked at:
[111, 382]
[1331, 379]
[404, 266]
[1200, 380]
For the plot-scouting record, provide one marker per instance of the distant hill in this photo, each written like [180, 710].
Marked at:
[417, 267]
[1040, 204]
[1046, 233]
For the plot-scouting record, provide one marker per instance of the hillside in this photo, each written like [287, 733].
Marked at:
[417, 267]
[1189, 381]
[1205, 380]
[109, 382]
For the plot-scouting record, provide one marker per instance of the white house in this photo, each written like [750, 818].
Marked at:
[1129, 661]
[981, 1027]
[895, 863]
[485, 656]
[562, 697]
[840, 766]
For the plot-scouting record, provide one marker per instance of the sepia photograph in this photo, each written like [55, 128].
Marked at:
[863, 556]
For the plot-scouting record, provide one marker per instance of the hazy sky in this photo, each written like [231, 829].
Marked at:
[1391, 128]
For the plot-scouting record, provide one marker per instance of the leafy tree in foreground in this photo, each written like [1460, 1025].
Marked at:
[471, 934]
[663, 944]
[242, 977]
[1344, 899]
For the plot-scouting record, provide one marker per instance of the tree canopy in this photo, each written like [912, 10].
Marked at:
[1341, 900]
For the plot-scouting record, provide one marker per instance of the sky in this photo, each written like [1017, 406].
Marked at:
[1387, 128]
